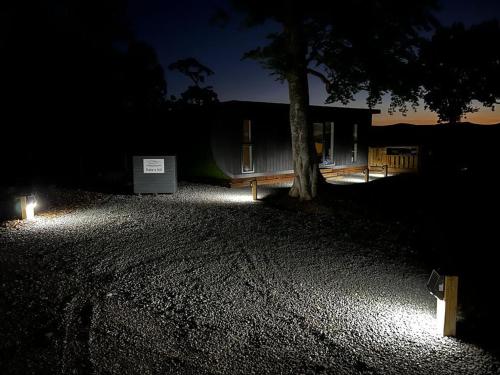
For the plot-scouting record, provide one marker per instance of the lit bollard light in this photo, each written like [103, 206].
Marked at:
[28, 204]
[445, 289]
[253, 184]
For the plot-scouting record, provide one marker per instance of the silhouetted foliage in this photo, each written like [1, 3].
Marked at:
[140, 83]
[59, 49]
[193, 69]
[460, 65]
[72, 81]
[198, 73]
[351, 46]
[64, 65]
[199, 95]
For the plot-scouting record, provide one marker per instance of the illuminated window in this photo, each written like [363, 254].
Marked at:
[247, 148]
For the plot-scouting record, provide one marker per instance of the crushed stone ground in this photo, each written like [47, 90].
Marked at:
[206, 281]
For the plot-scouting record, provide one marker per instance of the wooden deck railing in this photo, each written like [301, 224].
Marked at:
[397, 159]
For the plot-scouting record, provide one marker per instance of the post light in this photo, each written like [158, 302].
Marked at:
[28, 204]
[445, 289]
[435, 285]
[253, 184]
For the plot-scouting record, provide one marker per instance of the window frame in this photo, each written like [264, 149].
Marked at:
[355, 139]
[247, 146]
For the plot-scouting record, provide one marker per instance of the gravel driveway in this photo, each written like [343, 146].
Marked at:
[208, 282]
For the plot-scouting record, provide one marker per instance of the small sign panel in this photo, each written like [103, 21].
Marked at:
[154, 165]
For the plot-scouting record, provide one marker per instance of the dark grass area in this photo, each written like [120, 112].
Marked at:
[446, 222]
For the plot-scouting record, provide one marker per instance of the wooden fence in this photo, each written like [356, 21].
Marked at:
[401, 159]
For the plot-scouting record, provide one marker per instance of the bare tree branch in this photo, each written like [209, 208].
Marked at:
[323, 78]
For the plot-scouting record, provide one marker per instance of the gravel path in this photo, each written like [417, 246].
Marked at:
[208, 282]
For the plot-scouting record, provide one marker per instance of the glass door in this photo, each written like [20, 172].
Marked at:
[323, 137]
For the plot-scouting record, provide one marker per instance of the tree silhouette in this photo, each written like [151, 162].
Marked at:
[351, 46]
[59, 52]
[193, 69]
[198, 73]
[140, 83]
[73, 65]
[460, 65]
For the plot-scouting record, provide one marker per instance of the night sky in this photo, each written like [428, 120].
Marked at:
[181, 29]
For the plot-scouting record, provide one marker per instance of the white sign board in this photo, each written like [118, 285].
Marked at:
[154, 165]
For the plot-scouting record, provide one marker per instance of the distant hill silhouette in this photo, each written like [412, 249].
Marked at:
[410, 134]
[465, 123]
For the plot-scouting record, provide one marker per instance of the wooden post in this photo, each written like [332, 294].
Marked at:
[447, 308]
[27, 210]
[24, 204]
[253, 184]
[385, 167]
[367, 175]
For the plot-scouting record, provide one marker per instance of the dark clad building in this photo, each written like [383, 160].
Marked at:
[238, 141]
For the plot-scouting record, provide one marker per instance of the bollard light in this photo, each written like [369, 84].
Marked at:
[445, 289]
[253, 185]
[435, 285]
[366, 172]
[28, 204]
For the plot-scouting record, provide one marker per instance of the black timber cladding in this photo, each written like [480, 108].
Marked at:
[154, 174]
[271, 136]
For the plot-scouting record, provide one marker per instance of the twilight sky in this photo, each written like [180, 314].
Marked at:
[180, 29]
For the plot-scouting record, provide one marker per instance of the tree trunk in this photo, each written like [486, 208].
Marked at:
[305, 164]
